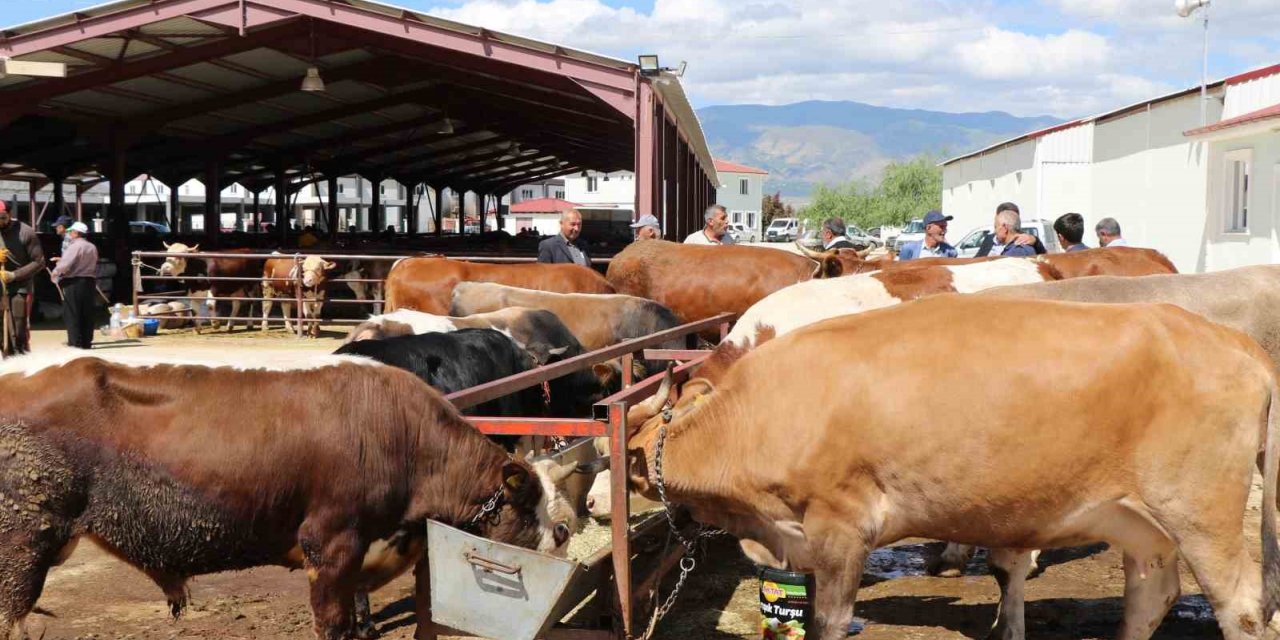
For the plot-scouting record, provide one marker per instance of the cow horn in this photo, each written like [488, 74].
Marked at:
[865, 252]
[166, 244]
[562, 471]
[811, 254]
[193, 248]
[658, 401]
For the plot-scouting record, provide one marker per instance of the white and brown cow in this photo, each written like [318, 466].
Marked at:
[368, 270]
[178, 265]
[281, 278]
[1143, 432]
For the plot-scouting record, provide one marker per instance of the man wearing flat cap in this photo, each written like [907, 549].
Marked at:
[76, 274]
[647, 228]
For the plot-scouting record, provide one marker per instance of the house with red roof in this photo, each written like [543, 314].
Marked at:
[742, 194]
[1205, 192]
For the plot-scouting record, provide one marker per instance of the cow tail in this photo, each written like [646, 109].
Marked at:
[1270, 546]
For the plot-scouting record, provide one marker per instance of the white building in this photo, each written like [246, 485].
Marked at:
[742, 193]
[1205, 196]
[607, 201]
[550, 188]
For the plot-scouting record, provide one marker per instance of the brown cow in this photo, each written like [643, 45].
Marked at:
[1116, 261]
[280, 280]
[697, 281]
[426, 284]
[1144, 436]
[218, 268]
[168, 468]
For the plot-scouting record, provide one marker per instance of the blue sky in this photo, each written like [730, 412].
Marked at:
[1030, 57]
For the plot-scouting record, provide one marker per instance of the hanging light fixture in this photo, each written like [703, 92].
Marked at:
[313, 82]
[446, 127]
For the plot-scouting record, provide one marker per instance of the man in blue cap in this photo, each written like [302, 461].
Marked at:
[934, 244]
[60, 228]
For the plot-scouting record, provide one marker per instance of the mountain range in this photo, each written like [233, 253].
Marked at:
[807, 143]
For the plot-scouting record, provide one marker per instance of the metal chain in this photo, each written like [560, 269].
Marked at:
[488, 508]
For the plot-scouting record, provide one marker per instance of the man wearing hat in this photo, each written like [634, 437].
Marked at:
[23, 259]
[647, 228]
[934, 244]
[76, 274]
[60, 228]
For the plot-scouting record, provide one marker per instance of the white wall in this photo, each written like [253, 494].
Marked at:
[971, 188]
[742, 208]
[618, 191]
[546, 224]
[1258, 244]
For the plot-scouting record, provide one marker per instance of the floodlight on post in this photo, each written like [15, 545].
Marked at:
[1185, 8]
[684, 64]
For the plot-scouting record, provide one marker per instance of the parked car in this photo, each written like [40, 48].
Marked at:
[142, 226]
[743, 233]
[912, 232]
[862, 239]
[782, 230]
[1042, 229]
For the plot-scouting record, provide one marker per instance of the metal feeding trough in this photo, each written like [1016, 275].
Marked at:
[495, 590]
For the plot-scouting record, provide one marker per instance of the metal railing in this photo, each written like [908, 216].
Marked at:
[609, 420]
[299, 316]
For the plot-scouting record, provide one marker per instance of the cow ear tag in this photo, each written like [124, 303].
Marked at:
[515, 482]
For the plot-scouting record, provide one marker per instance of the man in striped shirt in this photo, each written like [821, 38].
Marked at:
[76, 274]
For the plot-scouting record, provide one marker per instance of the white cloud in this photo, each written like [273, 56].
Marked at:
[1084, 56]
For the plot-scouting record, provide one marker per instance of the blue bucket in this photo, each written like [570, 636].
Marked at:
[150, 326]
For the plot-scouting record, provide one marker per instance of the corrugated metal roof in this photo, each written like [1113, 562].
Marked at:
[269, 61]
[213, 74]
[104, 103]
[171, 91]
[182, 25]
[102, 47]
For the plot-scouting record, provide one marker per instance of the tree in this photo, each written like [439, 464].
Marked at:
[906, 190]
[771, 207]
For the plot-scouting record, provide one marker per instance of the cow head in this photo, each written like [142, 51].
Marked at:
[176, 265]
[532, 496]
[644, 420]
[314, 271]
[839, 262]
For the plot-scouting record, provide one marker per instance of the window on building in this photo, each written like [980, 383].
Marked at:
[593, 184]
[560, 193]
[751, 220]
[744, 187]
[527, 194]
[737, 216]
[1236, 190]
[382, 189]
[342, 188]
[421, 189]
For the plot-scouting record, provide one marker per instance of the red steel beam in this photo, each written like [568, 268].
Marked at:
[105, 25]
[562, 427]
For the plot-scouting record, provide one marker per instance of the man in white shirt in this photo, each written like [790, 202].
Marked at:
[716, 230]
[1108, 231]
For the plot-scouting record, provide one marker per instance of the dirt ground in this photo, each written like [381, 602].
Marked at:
[1077, 595]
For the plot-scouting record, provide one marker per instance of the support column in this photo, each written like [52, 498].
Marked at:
[416, 191]
[282, 205]
[644, 150]
[59, 199]
[257, 211]
[79, 204]
[439, 211]
[118, 226]
[331, 210]
[377, 221]
[212, 204]
[31, 203]
[176, 223]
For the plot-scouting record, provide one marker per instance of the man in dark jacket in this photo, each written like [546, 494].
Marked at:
[563, 248]
[1018, 240]
[23, 259]
[1070, 230]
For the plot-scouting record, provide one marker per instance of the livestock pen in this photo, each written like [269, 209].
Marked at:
[140, 296]
[610, 571]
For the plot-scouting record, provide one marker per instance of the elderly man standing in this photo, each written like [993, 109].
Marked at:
[1004, 240]
[1108, 231]
[833, 235]
[716, 228]
[23, 260]
[989, 243]
[934, 244]
[76, 274]
[564, 248]
[647, 227]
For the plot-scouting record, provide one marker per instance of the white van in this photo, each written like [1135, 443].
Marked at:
[782, 230]
[1042, 229]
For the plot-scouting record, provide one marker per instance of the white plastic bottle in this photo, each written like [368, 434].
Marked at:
[115, 316]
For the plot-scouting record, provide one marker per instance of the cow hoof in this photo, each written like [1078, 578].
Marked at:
[942, 568]
[367, 631]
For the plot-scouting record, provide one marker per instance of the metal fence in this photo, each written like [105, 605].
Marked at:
[611, 568]
[299, 315]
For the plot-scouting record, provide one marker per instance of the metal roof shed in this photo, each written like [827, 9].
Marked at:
[211, 89]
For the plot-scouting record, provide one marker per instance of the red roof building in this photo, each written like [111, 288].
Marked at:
[733, 167]
[543, 205]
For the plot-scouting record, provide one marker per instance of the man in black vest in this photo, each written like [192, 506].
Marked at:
[23, 259]
[564, 248]
[833, 235]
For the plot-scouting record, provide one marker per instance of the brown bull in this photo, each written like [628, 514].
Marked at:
[281, 278]
[170, 469]
[426, 284]
[1116, 261]
[1144, 437]
[697, 281]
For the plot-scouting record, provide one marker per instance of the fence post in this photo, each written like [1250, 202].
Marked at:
[620, 499]
[297, 289]
[137, 282]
